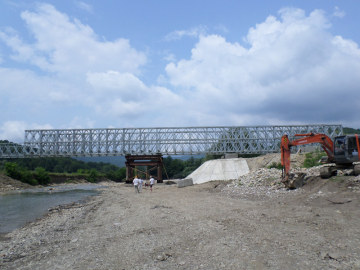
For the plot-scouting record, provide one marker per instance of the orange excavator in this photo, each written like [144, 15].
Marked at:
[342, 153]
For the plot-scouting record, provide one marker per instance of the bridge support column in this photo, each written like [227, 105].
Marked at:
[132, 161]
[129, 172]
[159, 173]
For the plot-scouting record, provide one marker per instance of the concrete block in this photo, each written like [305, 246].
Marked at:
[231, 155]
[185, 182]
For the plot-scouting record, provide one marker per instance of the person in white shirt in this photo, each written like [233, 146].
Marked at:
[136, 184]
[140, 184]
[152, 182]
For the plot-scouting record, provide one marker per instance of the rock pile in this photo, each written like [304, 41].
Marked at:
[261, 177]
[263, 181]
[271, 178]
[258, 184]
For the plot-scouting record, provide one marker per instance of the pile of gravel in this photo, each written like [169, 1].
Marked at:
[266, 182]
[258, 184]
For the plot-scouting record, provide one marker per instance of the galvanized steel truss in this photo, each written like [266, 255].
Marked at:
[150, 141]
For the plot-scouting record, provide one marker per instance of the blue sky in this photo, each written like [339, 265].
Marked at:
[99, 64]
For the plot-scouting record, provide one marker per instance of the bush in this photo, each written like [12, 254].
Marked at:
[42, 176]
[27, 177]
[116, 175]
[93, 176]
[12, 170]
[313, 159]
[120, 174]
[276, 165]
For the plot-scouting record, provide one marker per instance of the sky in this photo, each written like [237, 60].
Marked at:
[180, 63]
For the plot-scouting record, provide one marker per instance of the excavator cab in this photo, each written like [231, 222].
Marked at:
[346, 149]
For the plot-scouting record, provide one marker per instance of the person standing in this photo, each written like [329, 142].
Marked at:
[136, 184]
[140, 184]
[152, 182]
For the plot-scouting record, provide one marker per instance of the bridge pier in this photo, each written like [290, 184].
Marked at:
[132, 161]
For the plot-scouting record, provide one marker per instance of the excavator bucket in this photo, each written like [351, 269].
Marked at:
[295, 181]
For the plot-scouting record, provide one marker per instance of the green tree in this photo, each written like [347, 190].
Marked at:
[27, 177]
[117, 175]
[42, 176]
[12, 170]
[93, 176]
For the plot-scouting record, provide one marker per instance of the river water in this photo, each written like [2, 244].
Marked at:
[18, 208]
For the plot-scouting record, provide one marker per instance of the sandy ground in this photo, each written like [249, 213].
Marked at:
[208, 226]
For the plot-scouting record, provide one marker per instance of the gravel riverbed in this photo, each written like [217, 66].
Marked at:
[216, 225]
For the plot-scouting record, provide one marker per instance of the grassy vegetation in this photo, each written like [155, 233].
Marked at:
[313, 159]
[276, 165]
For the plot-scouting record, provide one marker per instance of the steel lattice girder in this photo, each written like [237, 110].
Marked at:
[166, 141]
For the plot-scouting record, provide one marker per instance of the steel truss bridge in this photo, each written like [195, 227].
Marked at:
[154, 141]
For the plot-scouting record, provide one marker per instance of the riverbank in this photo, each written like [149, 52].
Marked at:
[19, 207]
[214, 225]
[8, 184]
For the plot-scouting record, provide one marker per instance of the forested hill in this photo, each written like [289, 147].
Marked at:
[60, 165]
[348, 130]
[117, 161]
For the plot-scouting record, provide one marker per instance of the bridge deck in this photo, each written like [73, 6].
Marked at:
[150, 141]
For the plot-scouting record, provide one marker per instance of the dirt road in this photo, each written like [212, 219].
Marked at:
[208, 226]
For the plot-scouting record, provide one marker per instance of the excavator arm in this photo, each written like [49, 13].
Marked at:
[325, 141]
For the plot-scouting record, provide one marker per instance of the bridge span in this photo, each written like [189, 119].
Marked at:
[157, 141]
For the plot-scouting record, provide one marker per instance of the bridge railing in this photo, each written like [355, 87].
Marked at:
[166, 140]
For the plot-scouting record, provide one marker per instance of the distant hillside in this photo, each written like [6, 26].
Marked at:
[348, 130]
[117, 161]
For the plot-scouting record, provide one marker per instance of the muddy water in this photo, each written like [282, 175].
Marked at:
[18, 208]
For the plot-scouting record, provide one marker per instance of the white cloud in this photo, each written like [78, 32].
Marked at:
[68, 47]
[28, 88]
[170, 57]
[179, 34]
[291, 71]
[124, 95]
[84, 6]
[126, 84]
[222, 28]
[77, 72]
[14, 130]
[294, 70]
[339, 13]
[81, 122]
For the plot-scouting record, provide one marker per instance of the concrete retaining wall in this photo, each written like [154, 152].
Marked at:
[185, 182]
[220, 169]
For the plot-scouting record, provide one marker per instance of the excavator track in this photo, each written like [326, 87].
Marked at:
[328, 171]
[332, 169]
[357, 169]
